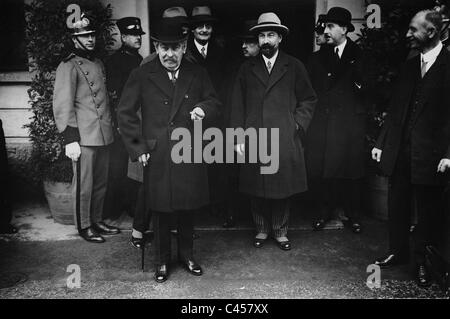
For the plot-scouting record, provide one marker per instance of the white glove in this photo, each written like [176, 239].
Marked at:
[376, 154]
[143, 159]
[197, 114]
[73, 151]
[240, 149]
[444, 165]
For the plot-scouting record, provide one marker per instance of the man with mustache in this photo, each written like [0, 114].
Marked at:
[83, 117]
[171, 93]
[413, 147]
[121, 191]
[273, 91]
[335, 142]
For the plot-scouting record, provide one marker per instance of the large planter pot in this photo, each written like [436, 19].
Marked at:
[377, 196]
[59, 198]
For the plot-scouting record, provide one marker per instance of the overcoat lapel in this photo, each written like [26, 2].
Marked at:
[279, 70]
[158, 75]
[259, 69]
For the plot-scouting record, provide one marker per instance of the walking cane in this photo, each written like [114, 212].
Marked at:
[143, 235]
[77, 194]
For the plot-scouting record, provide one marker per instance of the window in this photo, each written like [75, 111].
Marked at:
[13, 56]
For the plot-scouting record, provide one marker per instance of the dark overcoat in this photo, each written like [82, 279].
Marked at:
[169, 187]
[429, 100]
[283, 100]
[335, 142]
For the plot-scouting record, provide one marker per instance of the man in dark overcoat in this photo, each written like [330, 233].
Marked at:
[335, 143]
[413, 148]
[172, 94]
[121, 192]
[273, 91]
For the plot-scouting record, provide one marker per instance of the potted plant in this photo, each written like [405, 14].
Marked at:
[48, 42]
[387, 49]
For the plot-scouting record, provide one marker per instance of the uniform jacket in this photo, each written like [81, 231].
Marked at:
[169, 187]
[335, 142]
[80, 102]
[429, 100]
[118, 68]
[283, 100]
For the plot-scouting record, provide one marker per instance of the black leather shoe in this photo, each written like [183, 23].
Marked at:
[161, 273]
[391, 260]
[138, 243]
[104, 229]
[8, 229]
[318, 224]
[193, 267]
[89, 234]
[284, 245]
[258, 242]
[356, 228]
[423, 277]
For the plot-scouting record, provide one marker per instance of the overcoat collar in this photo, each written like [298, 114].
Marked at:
[279, 70]
[158, 75]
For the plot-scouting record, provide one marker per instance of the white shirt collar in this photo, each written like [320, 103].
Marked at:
[170, 74]
[199, 47]
[341, 48]
[431, 55]
[272, 59]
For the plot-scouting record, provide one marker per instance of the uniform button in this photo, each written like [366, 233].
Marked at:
[87, 73]
[166, 102]
[80, 62]
[95, 94]
[186, 96]
[329, 74]
[171, 124]
[91, 83]
[98, 106]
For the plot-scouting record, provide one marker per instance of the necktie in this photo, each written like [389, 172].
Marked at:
[269, 66]
[336, 54]
[174, 77]
[423, 69]
[203, 53]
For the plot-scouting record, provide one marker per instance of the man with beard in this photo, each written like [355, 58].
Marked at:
[272, 91]
[413, 148]
[121, 191]
[335, 142]
[83, 117]
[172, 94]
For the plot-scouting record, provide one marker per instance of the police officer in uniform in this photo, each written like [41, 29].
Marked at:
[83, 117]
[121, 191]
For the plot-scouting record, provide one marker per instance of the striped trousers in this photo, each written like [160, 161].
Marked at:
[271, 215]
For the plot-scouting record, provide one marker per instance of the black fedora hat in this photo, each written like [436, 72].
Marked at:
[168, 31]
[340, 16]
[245, 33]
[202, 14]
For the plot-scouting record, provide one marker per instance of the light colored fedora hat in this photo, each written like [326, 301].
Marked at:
[270, 21]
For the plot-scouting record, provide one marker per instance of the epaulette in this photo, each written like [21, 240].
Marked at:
[70, 56]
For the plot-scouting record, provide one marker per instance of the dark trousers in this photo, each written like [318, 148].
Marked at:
[271, 215]
[5, 204]
[142, 215]
[121, 191]
[429, 204]
[162, 223]
[328, 194]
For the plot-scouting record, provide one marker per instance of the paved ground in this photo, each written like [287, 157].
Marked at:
[328, 264]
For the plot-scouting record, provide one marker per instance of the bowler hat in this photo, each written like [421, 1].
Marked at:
[340, 16]
[82, 27]
[176, 14]
[202, 14]
[245, 33]
[168, 31]
[270, 21]
[130, 25]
